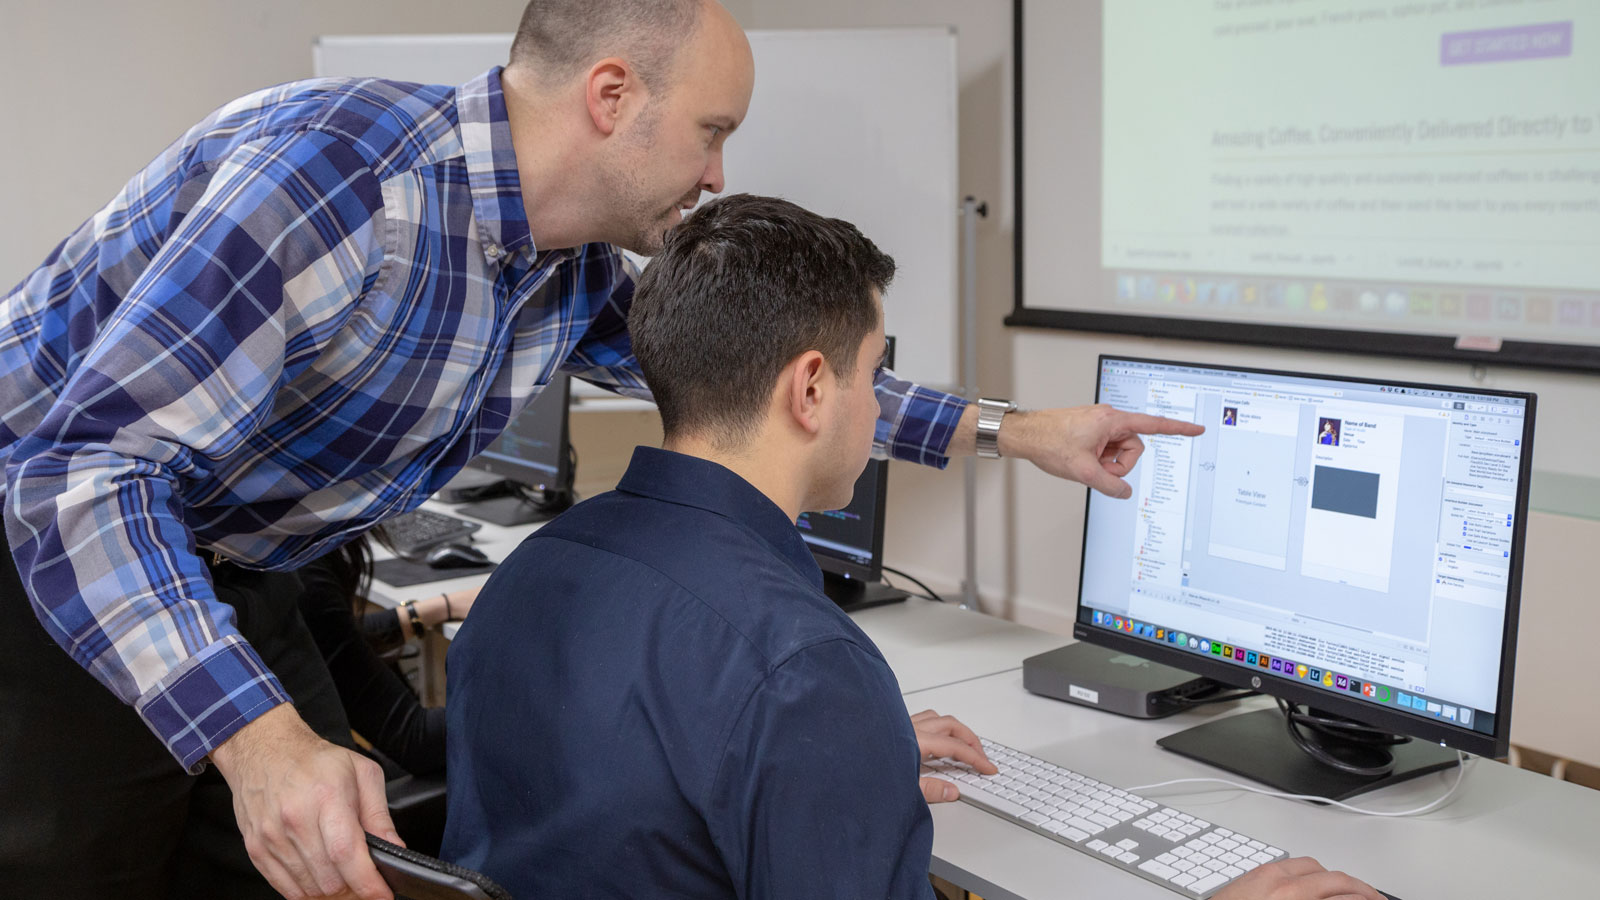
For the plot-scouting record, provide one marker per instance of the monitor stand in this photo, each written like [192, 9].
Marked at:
[515, 510]
[1257, 745]
[853, 594]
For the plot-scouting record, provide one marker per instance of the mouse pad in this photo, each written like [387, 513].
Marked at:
[404, 573]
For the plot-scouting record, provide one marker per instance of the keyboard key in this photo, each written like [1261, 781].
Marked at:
[1129, 858]
[1159, 869]
[1182, 880]
[1083, 824]
[1207, 883]
[1097, 845]
[1128, 844]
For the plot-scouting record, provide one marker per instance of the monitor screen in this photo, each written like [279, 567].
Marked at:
[533, 450]
[1352, 545]
[849, 541]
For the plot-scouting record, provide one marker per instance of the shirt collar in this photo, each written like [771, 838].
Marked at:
[703, 484]
[492, 167]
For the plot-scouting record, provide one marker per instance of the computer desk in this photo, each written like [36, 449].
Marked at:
[1506, 833]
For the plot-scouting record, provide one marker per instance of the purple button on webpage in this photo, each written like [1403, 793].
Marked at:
[1462, 48]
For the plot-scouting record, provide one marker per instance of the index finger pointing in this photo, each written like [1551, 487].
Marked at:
[1146, 424]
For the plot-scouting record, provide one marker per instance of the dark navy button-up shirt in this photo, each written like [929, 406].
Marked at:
[653, 698]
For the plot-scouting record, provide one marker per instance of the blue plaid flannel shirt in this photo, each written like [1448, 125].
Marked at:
[301, 319]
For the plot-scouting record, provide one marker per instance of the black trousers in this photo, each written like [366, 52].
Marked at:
[91, 803]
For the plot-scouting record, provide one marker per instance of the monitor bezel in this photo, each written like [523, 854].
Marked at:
[1452, 736]
[561, 482]
[828, 562]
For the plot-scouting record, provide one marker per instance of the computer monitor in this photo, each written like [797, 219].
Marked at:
[1346, 544]
[534, 456]
[848, 543]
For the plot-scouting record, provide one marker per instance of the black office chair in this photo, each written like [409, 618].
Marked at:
[418, 876]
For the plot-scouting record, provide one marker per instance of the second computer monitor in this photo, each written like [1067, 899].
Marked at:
[848, 543]
[534, 455]
[1349, 544]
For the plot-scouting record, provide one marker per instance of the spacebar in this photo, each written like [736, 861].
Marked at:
[998, 804]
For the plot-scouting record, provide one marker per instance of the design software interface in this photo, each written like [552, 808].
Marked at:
[1355, 536]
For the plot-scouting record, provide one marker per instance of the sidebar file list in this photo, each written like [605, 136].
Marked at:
[1162, 492]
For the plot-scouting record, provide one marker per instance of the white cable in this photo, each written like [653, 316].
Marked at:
[1461, 771]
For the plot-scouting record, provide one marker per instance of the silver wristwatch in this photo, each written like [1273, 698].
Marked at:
[991, 413]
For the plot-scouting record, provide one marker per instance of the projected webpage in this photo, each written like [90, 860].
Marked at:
[1333, 532]
[1430, 166]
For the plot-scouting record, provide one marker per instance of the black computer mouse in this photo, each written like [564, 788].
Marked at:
[456, 556]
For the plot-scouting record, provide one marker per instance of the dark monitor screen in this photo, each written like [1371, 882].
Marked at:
[849, 541]
[533, 450]
[1349, 544]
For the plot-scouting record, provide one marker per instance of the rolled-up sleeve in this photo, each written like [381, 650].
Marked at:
[914, 423]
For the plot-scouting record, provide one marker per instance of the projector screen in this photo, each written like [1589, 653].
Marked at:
[1417, 178]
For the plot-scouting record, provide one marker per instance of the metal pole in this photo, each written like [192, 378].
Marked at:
[971, 211]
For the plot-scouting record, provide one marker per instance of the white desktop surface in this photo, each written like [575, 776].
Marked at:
[1506, 833]
[929, 644]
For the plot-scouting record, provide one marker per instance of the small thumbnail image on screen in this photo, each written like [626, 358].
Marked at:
[1328, 431]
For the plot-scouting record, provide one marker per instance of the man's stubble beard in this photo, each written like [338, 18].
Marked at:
[640, 222]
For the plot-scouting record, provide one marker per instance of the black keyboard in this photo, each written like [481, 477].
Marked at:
[411, 533]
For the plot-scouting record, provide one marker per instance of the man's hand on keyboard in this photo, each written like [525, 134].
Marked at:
[1301, 878]
[945, 736]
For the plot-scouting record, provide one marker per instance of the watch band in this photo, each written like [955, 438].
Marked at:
[991, 412]
[416, 620]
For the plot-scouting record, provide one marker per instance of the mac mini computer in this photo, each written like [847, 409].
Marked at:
[1117, 682]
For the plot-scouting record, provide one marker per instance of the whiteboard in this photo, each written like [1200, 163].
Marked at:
[857, 124]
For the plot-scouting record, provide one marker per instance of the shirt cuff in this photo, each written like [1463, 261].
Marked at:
[207, 699]
[923, 426]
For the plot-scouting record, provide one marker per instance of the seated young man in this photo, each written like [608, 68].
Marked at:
[652, 696]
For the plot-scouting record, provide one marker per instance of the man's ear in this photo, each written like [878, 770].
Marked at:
[804, 389]
[608, 88]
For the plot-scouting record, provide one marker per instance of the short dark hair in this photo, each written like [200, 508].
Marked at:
[741, 288]
[557, 39]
